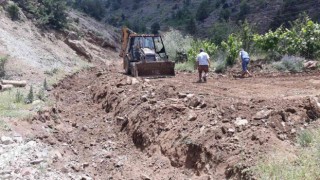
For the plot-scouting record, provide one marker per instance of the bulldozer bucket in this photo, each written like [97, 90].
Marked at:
[153, 69]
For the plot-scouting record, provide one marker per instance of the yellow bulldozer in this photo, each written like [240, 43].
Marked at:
[145, 55]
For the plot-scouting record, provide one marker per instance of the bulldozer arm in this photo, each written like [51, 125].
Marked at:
[124, 40]
[153, 69]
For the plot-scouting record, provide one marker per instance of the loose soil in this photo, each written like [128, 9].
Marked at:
[111, 126]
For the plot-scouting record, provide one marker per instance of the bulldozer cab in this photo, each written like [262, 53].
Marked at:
[152, 47]
[145, 55]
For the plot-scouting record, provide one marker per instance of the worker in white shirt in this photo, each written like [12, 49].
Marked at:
[203, 63]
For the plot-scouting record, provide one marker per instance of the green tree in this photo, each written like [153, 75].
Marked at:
[30, 96]
[46, 12]
[246, 35]
[231, 47]
[13, 11]
[53, 13]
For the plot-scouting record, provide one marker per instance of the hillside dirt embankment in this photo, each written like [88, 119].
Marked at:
[102, 124]
[108, 125]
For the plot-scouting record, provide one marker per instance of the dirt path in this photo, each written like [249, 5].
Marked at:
[291, 87]
[106, 125]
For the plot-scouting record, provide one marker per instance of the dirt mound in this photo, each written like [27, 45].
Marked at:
[197, 132]
[107, 125]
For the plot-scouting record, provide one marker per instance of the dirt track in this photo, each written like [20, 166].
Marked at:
[108, 125]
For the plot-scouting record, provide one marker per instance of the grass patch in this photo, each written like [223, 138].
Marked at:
[220, 67]
[305, 138]
[186, 66]
[55, 75]
[304, 165]
[10, 106]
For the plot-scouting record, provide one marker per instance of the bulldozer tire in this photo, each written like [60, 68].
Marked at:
[127, 69]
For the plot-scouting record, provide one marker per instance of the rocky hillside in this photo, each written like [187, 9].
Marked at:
[205, 13]
[34, 52]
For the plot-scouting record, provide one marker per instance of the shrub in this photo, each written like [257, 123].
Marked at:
[305, 138]
[207, 46]
[231, 47]
[47, 12]
[13, 11]
[174, 42]
[246, 35]
[220, 67]
[30, 96]
[41, 95]
[289, 63]
[18, 97]
[3, 61]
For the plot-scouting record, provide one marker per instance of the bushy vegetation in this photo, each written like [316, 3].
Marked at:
[18, 97]
[289, 63]
[30, 96]
[231, 47]
[46, 12]
[207, 46]
[175, 42]
[289, 47]
[303, 39]
[13, 11]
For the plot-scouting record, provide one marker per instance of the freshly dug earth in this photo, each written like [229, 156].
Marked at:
[107, 125]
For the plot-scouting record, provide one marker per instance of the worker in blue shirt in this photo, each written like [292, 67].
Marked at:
[245, 59]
